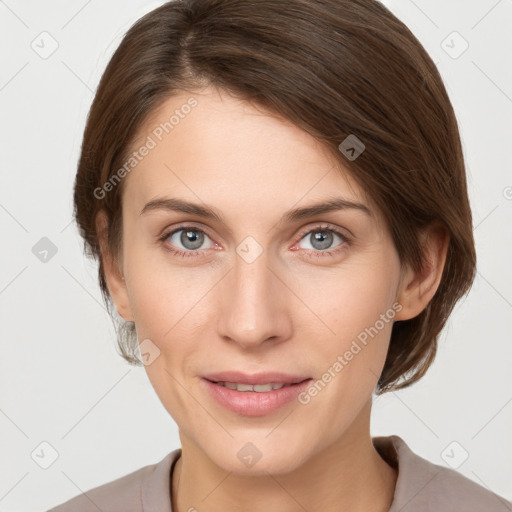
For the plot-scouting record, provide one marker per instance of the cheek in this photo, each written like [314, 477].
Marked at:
[352, 299]
[170, 305]
[162, 294]
[355, 307]
[167, 311]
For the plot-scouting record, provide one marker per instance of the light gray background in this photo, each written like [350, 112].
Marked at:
[62, 381]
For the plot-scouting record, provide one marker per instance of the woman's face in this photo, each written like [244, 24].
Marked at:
[254, 289]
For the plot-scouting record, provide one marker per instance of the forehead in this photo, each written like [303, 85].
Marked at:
[208, 145]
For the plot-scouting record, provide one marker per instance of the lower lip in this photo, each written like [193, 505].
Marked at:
[253, 403]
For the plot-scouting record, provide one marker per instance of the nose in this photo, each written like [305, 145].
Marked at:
[254, 306]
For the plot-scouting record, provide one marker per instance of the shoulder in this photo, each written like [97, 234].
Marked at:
[425, 486]
[147, 488]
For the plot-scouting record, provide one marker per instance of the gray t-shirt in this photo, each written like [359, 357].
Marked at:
[421, 486]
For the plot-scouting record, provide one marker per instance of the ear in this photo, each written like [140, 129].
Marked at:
[113, 273]
[417, 288]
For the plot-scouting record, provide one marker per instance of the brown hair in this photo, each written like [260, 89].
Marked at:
[333, 68]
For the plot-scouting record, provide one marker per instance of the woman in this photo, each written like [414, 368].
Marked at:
[276, 194]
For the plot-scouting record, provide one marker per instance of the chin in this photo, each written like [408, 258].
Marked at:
[258, 457]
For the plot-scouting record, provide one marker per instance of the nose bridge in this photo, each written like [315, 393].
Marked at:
[253, 305]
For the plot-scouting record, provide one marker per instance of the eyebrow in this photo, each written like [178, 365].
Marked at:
[207, 212]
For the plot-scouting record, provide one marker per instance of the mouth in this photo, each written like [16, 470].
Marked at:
[255, 379]
[254, 399]
[258, 388]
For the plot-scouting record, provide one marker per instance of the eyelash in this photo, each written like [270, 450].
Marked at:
[315, 254]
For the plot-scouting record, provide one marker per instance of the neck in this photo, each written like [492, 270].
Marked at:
[348, 475]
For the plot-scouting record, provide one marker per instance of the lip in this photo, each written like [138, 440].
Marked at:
[253, 403]
[255, 378]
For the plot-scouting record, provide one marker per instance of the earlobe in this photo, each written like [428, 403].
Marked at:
[113, 274]
[418, 287]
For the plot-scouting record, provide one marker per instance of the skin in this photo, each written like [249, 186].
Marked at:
[292, 309]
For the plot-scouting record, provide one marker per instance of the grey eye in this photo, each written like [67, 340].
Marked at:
[189, 239]
[321, 240]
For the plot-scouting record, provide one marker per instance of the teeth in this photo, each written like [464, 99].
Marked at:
[260, 388]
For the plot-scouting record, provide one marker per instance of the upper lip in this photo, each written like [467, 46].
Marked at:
[255, 378]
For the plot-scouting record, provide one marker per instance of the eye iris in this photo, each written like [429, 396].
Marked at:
[324, 237]
[191, 239]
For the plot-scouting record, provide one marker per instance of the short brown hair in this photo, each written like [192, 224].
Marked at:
[332, 67]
